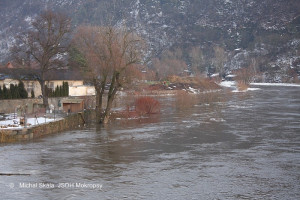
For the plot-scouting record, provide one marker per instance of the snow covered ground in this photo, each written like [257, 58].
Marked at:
[15, 123]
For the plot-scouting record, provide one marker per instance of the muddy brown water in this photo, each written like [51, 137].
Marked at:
[241, 146]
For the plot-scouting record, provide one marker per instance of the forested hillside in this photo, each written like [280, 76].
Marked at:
[207, 35]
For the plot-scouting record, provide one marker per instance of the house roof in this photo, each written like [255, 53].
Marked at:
[64, 75]
[17, 71]
[5, 76]
[14, 73]
[9, 65]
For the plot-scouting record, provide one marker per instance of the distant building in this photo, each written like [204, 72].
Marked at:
[7, 80]
[73, 105]
[81, 90]
[34, 85]
[12, 73]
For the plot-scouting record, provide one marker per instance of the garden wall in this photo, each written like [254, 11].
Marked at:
[70, 122]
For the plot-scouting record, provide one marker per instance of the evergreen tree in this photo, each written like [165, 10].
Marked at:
[61, 94]
[60, 91]
[14, 91]
[22, 92]
[1, 93]
[5, 92]
[32, 94]
[9, 96]
[67, 89]
[56, 92]
[64, 89]
[49, 92]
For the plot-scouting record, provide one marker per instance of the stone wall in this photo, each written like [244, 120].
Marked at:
[71, 122]
[10, 105]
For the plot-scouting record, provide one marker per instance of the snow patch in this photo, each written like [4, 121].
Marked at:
[228, 84]
[28, 19]
[14, 123]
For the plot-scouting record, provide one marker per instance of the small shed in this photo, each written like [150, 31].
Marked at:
[73, 105]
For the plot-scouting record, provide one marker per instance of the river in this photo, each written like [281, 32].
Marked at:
[222, 146]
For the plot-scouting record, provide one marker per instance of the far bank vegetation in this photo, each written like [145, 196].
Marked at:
[244, 76]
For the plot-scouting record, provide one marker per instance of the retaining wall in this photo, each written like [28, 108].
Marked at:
[10, 105]
[71, 122]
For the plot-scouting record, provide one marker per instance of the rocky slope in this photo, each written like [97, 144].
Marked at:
[265, 30]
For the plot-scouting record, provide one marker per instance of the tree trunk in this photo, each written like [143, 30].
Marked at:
[99, 99]
[98, 104]
[111, 96]
[110, 100]
[44, 94]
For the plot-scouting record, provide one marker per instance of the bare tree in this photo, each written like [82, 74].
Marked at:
[219, 59]
[44, 46]
[109, 53]
[162, 70]
[197, 60]
[171, 63]
[244, 76]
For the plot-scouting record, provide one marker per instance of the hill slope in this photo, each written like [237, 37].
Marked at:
[266, 30]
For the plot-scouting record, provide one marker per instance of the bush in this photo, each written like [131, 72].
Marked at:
[244, 75]
[147, 105]
[242, 86]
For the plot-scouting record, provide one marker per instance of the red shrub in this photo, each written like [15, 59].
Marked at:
[147, 105]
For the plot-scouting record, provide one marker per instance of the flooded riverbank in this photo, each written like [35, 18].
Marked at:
[243, 146]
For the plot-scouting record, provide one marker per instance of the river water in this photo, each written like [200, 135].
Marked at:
[222, 146]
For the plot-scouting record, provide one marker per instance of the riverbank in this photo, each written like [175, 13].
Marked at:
[11, 131]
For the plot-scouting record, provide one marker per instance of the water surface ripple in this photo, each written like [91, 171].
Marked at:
[247, 147]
